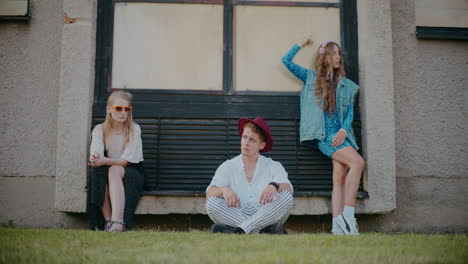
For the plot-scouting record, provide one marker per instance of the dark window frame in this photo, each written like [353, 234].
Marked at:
[225, 104]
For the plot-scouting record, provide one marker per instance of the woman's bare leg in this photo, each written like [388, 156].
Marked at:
[339, 177]
[106, 207]
[355, 162]
[117, 192]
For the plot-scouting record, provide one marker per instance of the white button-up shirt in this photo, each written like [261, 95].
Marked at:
[232, 174]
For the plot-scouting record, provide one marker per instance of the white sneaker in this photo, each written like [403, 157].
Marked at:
[347, 225]
[336, 230]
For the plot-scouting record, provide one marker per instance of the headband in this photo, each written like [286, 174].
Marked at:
[323, 45]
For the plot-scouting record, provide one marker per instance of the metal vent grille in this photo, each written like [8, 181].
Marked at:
[182, 155]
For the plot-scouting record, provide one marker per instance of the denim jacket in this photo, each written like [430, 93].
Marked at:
[312, 124]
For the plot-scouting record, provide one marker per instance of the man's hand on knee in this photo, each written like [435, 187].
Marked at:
[268, 194]
[231, 197]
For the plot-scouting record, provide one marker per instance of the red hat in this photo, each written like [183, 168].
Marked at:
[262, 124]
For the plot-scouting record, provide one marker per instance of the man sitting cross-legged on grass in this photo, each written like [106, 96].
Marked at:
[250, 193]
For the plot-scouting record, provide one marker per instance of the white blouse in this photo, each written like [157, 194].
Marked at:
[231, 174]
[133, 152]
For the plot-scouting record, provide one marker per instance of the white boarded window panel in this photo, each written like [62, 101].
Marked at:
[168, 46]
[13, 7]
[263, 34]
[436, 13]
[307, 1]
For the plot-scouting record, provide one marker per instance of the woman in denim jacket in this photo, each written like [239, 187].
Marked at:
[327, 101]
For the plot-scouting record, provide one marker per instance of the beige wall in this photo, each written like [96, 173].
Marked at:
[42, 72]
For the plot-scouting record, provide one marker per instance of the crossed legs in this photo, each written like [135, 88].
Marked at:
[260, 217]
[114, 201]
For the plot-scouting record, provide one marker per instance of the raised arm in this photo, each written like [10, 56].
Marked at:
[287, 60]
[295, 69]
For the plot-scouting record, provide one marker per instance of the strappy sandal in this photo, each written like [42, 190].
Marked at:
[107, 225]
[112, 223]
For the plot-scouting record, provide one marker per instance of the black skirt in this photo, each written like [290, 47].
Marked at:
[96, 190]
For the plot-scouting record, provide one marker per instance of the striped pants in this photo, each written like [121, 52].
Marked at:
[251, 218]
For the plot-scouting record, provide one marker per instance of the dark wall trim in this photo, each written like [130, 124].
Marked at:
[16, 18]
[210, 106]
[442, 33]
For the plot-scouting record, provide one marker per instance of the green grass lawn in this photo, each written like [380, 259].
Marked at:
[19, 245]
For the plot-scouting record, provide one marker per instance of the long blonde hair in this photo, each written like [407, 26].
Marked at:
[108, 123]
[324, 68]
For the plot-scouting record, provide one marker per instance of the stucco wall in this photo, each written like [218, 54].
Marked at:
[29, 202]
[77, 59]
[377, 105]
[430, 79]
[29, 84]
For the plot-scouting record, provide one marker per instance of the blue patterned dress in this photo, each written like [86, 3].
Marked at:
[332, 123]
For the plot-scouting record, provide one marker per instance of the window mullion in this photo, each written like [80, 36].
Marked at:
[228, 47]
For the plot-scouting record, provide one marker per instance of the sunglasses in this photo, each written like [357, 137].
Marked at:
[122, 108]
